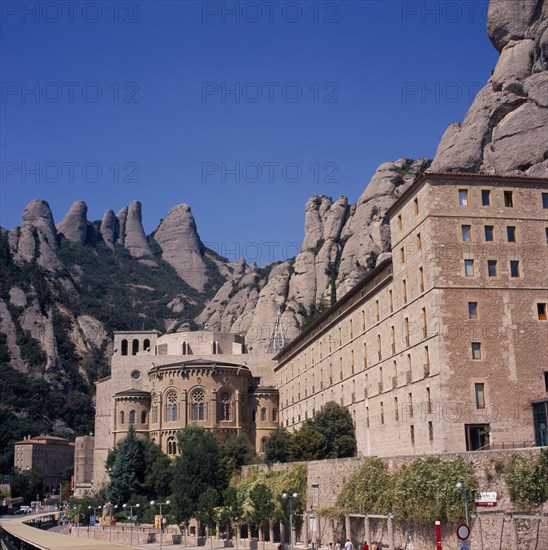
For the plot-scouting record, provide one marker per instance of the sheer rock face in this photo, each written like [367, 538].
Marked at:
[109, 228]
[74, 225]
[181, 246]
[135, 239]
[505, 129]
[7, 327]
[36, 239]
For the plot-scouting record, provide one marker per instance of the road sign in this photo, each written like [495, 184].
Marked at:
[486, 499]
[464, 545]
[463, 532]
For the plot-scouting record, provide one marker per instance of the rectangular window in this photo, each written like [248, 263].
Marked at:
[412, 435]
[511, 233]
[465, 231]
[469, 268]
[382, 412]
[402, 255]
[489, 233]
[541, 311]
[391, 301]
[431, 430]
[544, 200]
[514, 268]
[546, 233]
[404, 291]
[476, 350]
[419, 242]
[400, 223]
[377, 310]
[463, 197]
[396, 409]
[416, 203]
[428, 401]
[472, 310]
[492, 268]
[421, 279]
[508, 199]
[485, 197]
[480, 396]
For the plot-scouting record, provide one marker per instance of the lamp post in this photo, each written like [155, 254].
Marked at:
[95, 508]
[461, 485]
[160, 504]
[110, 526]
[131, 521]
[286, 496]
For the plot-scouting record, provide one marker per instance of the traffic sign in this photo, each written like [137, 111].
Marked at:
[463, 532]
[464, 545]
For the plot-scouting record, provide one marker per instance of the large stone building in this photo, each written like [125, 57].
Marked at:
[51, 457]
[443, 347]
[161, 383]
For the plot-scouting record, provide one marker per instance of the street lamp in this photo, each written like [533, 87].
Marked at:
[460, 485]
[131, 521]
[160, 504]
[110, 507]
[95, 508]
[286, 496]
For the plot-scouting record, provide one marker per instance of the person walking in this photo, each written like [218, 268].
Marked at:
[365, 546]
[348, 545]
[338, 546]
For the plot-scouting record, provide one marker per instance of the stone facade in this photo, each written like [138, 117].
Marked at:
[443, 346]
[83, 464]
[161, 383]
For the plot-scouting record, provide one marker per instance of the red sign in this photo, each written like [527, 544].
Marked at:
[486, 499]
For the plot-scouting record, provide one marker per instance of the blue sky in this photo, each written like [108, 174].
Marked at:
[241, 109]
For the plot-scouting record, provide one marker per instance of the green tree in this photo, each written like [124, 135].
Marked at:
[128, 470]
[26, 484]
[234, 452]
[195, 470]
[158, 471]
[335, 424]
[207, 502]
[307, 443]
[276, 446]
[261, 500]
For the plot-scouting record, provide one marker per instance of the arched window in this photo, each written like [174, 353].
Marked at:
[184, 348]
[143, 417]
[263, 414]
[122, 417]
[135, 347]
[225, 406]
[274, 415]
[146, 344]
[198, 406]
[124, 347]
[263, 443]
[132, 417]
[171, 406]
[171, 446]
[155, 414]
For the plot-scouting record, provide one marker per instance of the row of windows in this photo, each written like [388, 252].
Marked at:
[486, 198]
[488, 233]
[492, 268]
[135, 345]
[332, 343]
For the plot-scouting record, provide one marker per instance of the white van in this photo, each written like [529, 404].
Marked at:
[25, 509]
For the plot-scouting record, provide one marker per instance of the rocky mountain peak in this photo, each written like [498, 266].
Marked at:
[181, 246]
[134, 235]
[74, 225]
